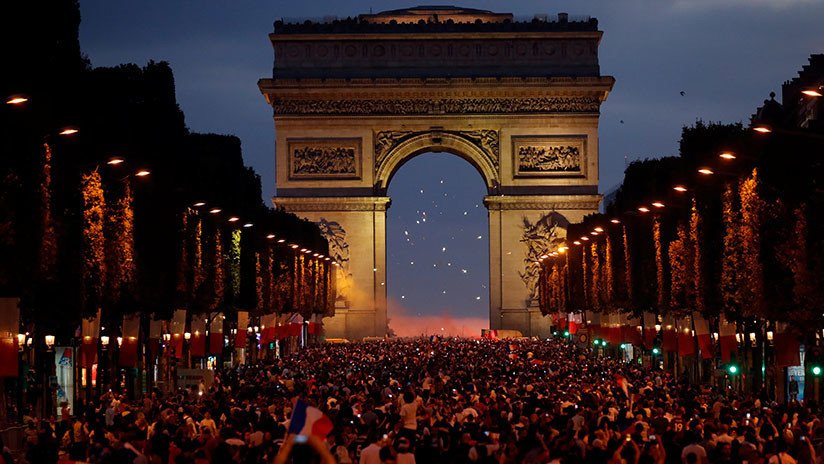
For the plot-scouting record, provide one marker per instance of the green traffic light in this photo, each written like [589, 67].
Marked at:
[603, 343]
[816, 370]
[655, 351]
[597, 342]
[733, 369]
[566, 333]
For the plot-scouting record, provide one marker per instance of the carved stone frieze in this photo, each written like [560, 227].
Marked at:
[589, 104]
[484, 139]
[324, 158]
[549, 156]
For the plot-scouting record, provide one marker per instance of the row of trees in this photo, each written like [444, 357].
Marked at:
[738, 237]
[78, 235]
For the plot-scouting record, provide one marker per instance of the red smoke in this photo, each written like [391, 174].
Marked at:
[405, 323]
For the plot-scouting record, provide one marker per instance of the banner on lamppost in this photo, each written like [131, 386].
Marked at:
[594, 324]
[198, 341]
[216, 334]
[90, 333]
[650, 320]
[702, 333]
[787, 346]
[242, 325]
[155, 333]
[63, 382]
[686, 341]
[178, 328]
[128, 346]
[268, 329]
[726, 339]
[9, 327]
[670, 339]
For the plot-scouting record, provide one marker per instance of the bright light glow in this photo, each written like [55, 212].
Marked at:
[727, 155]
[812, 93]
[593, 233]
[302, 250]
[281, 240]
[680, 188]
[327, 258]
[248, 225]
[270, 236]
[21, 340]
[586, 239]
[199, 204]
[294, 247]
[315, 255]
[234, 219]
[615, 221]
[643, 209]
[706, 171]
[16, 100]
[599, 229]
[544, 256]
[69, 131]
[762, 129]
[576, 242]
[733, 369]
[816, 370]
[104, 339]
[657, 204]
[142, 173]
[115, 161]
[215, 210]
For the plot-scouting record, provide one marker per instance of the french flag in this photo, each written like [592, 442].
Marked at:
[307, 420]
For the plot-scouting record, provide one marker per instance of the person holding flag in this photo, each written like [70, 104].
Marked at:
[307, 426]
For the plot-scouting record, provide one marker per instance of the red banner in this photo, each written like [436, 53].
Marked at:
[670, 341]
[317, 329]
[215, 343]
[88, 352]
[294, 329]
[198, 344]
[128, 352]
[702, 333]
[8, 356]
[176, 345]
[686, 344]
[787, 348]
[240, 338]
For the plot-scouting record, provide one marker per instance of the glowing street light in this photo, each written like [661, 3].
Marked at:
[49, 339]
[763, 129]
[727, 155]
[199, 204]
[115, 161]
[599, 229]
[585, 238]
[706, 171]
[657, 204]
[643, 209]
[615, 221]
[813, 92]
[680, 188]
[143, 173]
[270, 236]
[234, 219]
[215, 210]
[248, 225]
[16, 100]
[69, 131]
[576, 242]
[281, 240]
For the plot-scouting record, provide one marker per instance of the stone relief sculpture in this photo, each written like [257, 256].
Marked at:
[548, 155]
[339, 251]
[540, 238]
[439, 106]
[485, 139]
[324, 158]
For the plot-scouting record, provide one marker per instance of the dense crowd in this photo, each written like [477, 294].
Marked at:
[439, 401]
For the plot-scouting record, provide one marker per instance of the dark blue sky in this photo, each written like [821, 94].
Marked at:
[725, 55]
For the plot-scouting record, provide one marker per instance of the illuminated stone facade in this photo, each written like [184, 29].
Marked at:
[353, 100]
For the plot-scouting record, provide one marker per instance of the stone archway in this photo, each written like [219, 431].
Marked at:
[356, 99]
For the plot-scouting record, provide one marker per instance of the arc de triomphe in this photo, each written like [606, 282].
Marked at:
[355, 99]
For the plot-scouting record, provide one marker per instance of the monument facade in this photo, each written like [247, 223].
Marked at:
[354, 99]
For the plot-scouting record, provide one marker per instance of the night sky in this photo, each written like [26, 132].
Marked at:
[724, 55]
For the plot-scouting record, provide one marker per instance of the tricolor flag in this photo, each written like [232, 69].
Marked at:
[308, 420]
[621, 382]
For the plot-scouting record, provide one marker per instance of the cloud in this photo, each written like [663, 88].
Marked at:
[703, 5]
[407, 324]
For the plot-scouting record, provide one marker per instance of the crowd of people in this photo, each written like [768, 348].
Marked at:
[431, 401]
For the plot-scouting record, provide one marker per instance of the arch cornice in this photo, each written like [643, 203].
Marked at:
[479, 147]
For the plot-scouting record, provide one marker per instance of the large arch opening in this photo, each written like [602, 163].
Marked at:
[437, 246]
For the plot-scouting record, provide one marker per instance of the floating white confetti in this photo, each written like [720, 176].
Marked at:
[403, 297]
[443, 250]
[421, 190]
[480, 237]
[444, 292]
[406, 232]
[449, 264]
[464, 271]
[465, 213]
[477, 298]
[442, 181]
[411, 263]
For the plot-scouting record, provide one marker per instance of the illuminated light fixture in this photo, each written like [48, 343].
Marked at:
[808, 92]
[49, 339]
[215, 210]
[248, 225]
[187, 335]
[68, 131]
[199, 204]
[104, 340]
[16, 100]
[576, 242]
[544, 256]
[142, 173]
[115, 161]
[680, 188]
[599, 229]
[21, 340]
[657, 327]
[770, 335]
[762, 129]
[727, 155]
[281, 240]
[270, 236]
[706, 171]
[320, 256]
[585, 238]
[302, 250]
[657, 204]
[234, 219]
[307, 251]
[643, 209]
[615, 221]
[294, 247]
[562, 249]
[593, 233]
[327, 258]
[315, 255]
[335, 263]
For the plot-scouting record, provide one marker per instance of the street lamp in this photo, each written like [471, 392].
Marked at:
[104, 341]
[49, 339]
[706, 171]
[727, 155]
[16, 100]
[142, 173]
[69, 131]
[813, 92]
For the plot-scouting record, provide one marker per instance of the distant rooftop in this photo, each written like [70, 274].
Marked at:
[435, 18]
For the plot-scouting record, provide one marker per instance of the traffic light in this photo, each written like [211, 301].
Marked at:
[816, 371]
[597, 342]
[566, 333]
[603, 343]
[656, 351]
[732, 369]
